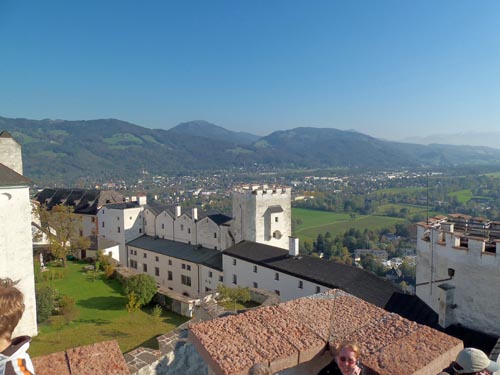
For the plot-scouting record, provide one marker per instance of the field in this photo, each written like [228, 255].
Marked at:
[408, 190]
[103, 316]
[315, 222]
[463, 196]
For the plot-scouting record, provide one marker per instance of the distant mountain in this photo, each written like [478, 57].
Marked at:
[479, 138]
[59, 151]
[205, 129]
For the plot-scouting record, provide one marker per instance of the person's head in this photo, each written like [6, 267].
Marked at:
[260, 369]
[471, 361]
[347, 356]
[11, 307]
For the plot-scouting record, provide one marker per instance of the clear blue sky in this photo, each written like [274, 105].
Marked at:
[386, 68]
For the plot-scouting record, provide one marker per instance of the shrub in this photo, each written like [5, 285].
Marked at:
[109, 271]
[68, 309]
[45, 302]
[156, 312]
[144, 287]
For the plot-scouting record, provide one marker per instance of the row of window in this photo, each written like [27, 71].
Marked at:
[276, 277]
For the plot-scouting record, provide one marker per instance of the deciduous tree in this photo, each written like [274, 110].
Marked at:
[143, 286]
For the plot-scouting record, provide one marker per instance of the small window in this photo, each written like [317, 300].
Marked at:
[118, 218]
[81, 233]
[277, 292]
[169, 275]
[140, 230]
[130, 217]
[118, 229]
[207, 289]
[188, 267]
[170, 262]
[221, 278]
[189, 230]
[103, 224]
[93, 219]
[215, 234]
[234, 262]
[183, 266]
[182, 226]
[318, 289]
[131, 251]
[255, 269]
[255, 285]
[163, 226]
[210, 274]
[235, 279]
[145, 268]
[185, 280]
[145, 255]
[301, 284]
[157, 259]
[157, 271]
[276, 276]
[275, 219]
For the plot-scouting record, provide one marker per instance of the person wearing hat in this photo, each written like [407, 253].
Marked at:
[471, 361]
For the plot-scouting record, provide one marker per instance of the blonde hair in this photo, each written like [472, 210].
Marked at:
[346, 345]
[11, 307]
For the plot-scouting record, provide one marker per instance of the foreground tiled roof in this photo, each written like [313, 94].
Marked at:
[297, 331]
[191, 253]
[361, 283]
[101, 358]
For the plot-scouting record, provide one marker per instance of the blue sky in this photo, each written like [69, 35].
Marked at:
[390, 69]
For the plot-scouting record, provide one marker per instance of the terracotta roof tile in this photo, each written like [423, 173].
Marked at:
[297, 331]
[55, 363]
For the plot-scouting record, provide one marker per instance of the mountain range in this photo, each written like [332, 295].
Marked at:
[66, 151]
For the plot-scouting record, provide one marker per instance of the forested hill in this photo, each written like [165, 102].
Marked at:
[58, 150]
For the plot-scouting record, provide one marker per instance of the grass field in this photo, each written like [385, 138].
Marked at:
[463, 196]
[103, 316]
[315, 222]
[398, 190]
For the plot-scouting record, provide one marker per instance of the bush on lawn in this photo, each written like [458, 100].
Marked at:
[46, 297]
[144, 287]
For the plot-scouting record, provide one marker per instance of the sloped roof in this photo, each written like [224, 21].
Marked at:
[9, 177]
[360, 283]
[84, 201]
[191, 253]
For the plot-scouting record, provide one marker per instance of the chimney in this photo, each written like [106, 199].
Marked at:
[195, 213]
[177, 211]
[293, 246]
[447, 307]
[142, 200]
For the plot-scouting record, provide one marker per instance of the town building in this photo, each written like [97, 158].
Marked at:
[458, 271]
[16, 250]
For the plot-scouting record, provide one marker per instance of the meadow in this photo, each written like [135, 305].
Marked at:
[315, 222]
[102, 316]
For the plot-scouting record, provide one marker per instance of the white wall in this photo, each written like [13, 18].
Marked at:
[255, 221]
[184, 229]
[16, 250]
[149, 222]
[209, 234]
[476, 280]
[165, 226]
[121, 225]
[288, 286]
[89, 225]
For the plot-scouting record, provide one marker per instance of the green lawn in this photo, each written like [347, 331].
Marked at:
[463, 196]
[103, 316]
[315, 222]
[398, 190]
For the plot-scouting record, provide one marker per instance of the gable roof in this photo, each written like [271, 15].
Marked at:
[83, 201]
[9, 177]
[360, 283]
[191, 253]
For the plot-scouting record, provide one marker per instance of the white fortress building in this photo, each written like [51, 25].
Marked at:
[458, 271]
[16, 249]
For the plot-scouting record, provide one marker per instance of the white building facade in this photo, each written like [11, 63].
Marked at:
[16, 249]
[469, 253]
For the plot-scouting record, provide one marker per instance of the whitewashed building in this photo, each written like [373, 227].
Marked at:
[291, 276]
[16, 250]
[458, 271]
[121, 222]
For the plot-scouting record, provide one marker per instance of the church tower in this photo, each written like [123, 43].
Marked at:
[262, 214]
